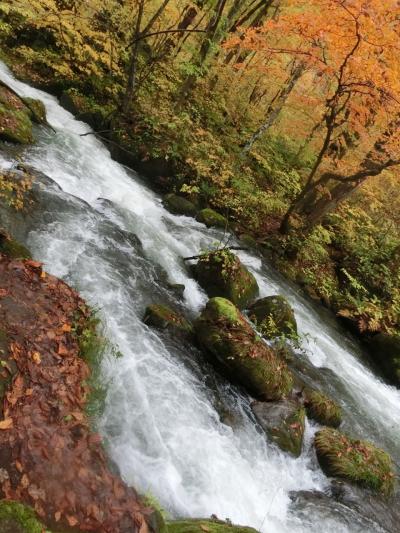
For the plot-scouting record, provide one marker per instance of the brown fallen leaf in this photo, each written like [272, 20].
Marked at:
[36, 358]
[57, 516]
[62, 349]
[66, 328]
[72, 520]
[33, 264]
[6, 423]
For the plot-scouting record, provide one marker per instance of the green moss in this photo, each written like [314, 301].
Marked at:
[322, 409]
[162, 317]
[274, 316]
[211, 218]
[18, 518]
[206, 526]
[244, 357]
[14, 249]
[179, 205]
[221, 273]
[36, 110]
[357, 461]
[15, 125]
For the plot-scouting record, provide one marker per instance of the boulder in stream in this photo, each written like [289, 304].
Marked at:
[359, 462]
[322, 409]
[274, 316]
[240, 353]
[206, 526]
[162, 317]
[283, 422]
[221, 273]
[211, 218]
[179, 205]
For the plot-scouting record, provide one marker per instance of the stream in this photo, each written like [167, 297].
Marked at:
[175, 428]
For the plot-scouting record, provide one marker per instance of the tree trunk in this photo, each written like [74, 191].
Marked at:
[276, 106]
[132, 71]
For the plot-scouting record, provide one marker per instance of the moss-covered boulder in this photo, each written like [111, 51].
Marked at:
[385, 350]
[206, 526]
[211, 218]
[179, 205]
[274, 316]
[283, 422]
[322, 409]
[162, 317]
[36, 110]
[357, 461]
[13, 248]
[240, 353]
[15, 122]
[18, 518]
[221, 273]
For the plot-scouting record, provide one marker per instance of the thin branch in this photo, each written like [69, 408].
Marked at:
[152, 34]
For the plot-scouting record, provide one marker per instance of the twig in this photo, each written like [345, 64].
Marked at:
[225, 248]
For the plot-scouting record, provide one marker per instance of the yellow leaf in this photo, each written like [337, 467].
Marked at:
[36, 358]
[6, 423]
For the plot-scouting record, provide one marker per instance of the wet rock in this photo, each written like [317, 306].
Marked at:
[177, 289]
[206, 526]
[162, 317]
[357, 461]
[36, 110]
[221, 273]
[383, 511]
[322, 409]
[211, 218]
[179, 205]
[283, 422]
[235, 348]
[15, 122]
[274, 316]
[385, 351]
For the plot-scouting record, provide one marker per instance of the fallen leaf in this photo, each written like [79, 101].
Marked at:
[6, 423]
[36, 358]
[18, 466]
[66, 328]
[72, 520]
[3, 292]
[57, 516]
[62, 349]
[33, 264]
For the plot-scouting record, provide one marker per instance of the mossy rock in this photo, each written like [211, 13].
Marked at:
[179, 205]
[36, 110]
[240, 353]
[206, 526]
[211, 218]
[13, 248]
[18, 518]
[322, 409]
[15, 124]
[356, 461]
[248, 240]
[274, 316]
[385, 351]
[283, 422]
[221, 273]
[162, 317]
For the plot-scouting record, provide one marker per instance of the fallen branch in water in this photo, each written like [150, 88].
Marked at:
[93, 133]
[226, 248]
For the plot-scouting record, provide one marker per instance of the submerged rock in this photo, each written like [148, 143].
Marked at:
[385, 350]
[322, 409]
[211, 218]
[357, 461]
[221, 273]
[240, 352]
[274, 316]
[283, 422]
[162, 317]
[179, 205]
[206, 526]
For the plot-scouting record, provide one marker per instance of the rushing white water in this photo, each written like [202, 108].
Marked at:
[163, 421]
